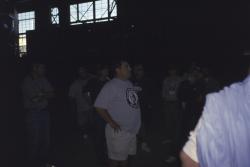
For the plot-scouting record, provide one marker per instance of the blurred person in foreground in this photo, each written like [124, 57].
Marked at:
[221, 137]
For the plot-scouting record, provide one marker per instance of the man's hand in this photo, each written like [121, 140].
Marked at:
[115, 126]
[105, 115]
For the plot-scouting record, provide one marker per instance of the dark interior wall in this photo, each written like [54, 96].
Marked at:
[156, 33]
[193, 26]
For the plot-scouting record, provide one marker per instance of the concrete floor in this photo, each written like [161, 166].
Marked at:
[73, 151]
[76, 152]
[70, 150]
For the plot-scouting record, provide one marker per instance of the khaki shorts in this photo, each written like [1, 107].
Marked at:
[120, 145]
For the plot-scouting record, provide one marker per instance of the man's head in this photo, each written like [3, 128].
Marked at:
[103, 71]
[82, 72]
[195, 74]
[38, 69]
[139, 71]
[122, 69]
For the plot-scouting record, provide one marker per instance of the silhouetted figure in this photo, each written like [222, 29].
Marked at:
[36, 94]
[94, 86]
[171, 109]
[118, 104]
[221, 137]
[191, 94]
[80, 101]
[146, 103]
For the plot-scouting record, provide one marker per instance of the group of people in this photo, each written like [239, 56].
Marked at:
[107, 109]
[118, 110]
[183, 99]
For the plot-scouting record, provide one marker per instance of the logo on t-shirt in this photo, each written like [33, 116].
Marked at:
[132, 98]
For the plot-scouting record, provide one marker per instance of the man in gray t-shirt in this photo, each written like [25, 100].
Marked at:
[118, 104]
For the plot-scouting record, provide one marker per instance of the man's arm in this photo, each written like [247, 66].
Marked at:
[186, 161]
[106, 116]
[188, 155]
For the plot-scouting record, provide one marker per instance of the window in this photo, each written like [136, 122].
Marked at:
[113, 8]
[83, 12]
[73, 13]
[26, 22]
[22, 44]
[55, 15]
[86, 11]
[101, 9]
[105, 10]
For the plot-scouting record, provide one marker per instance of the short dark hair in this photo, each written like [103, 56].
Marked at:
[116, 64]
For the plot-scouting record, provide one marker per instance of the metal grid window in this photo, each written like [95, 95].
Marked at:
[113, 8]
[83, 12]
[22, 43]
[86, 11]
[26, 22]
[90, 12]
[101, 9]
[73, 13]
[55, 15]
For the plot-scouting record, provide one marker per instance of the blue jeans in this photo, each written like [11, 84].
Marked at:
[38, 133]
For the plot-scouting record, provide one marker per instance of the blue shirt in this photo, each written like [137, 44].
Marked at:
[223, 140]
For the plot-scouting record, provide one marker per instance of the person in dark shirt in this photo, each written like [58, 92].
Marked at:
[80, 102]
[94, 87]
[191, 95]
[139, 79]
[171, 110]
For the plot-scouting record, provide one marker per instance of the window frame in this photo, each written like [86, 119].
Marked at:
[23, 35]
[53, 18]
[96, 19]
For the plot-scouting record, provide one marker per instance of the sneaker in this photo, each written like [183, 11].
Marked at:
[145, 147]
[170, 159]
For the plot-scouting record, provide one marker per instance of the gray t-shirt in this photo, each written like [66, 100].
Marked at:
[121, 101]
[32, 88]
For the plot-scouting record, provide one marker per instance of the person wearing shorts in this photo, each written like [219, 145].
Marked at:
[118, 105]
